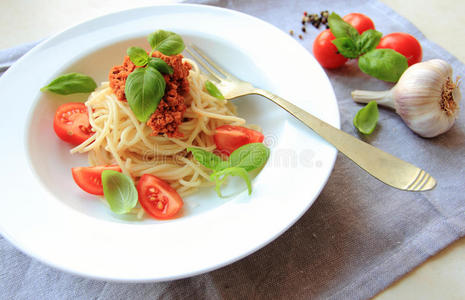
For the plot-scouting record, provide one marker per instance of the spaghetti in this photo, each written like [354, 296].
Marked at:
[120, 138]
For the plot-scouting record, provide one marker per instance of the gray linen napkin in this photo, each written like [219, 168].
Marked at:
[358, 237]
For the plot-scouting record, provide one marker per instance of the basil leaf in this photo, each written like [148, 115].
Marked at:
[340, 28]
[71, 83]
[346, 46]
[144, 89]
[250, 156]
[384, 64]
[207, 159]
[167, 42]
[220, 177]
[160, 65]
[368, 41]
[119, 191]
[366, 118]
[213, 90]
[138, 56]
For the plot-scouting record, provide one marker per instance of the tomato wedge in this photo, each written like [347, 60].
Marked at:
[158, 198]
[90, 178]
[71, 123]
[229, 137]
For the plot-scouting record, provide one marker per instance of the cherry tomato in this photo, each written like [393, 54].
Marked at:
[359, 21]
[229, 137]
[325, 52]
[158, 198]
[71, 123]
[90, 178]
[403, 43]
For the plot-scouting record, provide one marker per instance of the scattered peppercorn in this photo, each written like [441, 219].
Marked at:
[316, 20]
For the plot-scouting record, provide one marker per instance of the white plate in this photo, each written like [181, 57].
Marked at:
[45, 215]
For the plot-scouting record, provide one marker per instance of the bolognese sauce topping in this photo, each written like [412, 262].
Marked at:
[170, 111]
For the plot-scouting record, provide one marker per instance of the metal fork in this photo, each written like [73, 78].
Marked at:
[383, 166]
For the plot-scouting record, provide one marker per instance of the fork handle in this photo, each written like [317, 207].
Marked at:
[383, 166]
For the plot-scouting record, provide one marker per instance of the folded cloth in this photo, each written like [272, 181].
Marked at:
[358, 237]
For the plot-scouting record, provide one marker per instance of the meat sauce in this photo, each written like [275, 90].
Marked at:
[169, 113]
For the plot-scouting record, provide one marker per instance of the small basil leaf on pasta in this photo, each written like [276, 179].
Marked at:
[207, 159]
[71, 83]
[144, 89]
[219, 178]
[250, 156]
[167, 42]
[160, 65]
[213, 90]
[138, 56]
[119, 191]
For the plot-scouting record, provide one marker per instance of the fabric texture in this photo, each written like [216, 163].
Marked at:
[358, 237]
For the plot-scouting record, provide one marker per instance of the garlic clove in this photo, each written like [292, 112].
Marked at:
[425, 97]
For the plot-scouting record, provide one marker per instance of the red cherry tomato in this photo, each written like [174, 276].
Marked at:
[325, 52]
[359, 21]
[71, 123]
[228, 137]
[158, 198]
[403, 43]
[90, 178]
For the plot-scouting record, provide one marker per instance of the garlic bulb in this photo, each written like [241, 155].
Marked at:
[425, 97]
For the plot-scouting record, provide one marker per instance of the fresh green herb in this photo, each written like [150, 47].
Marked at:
[144, 89]
[346, 47]
[213, 90]
[119, 191]
[250, 156]
[244, 159]
[384, 64]
[220, 177]
[206, 158]
[160, 65]
[340, 28]
[366, 118]
[348, 41]
[138, 56]
[167, 42]
[71, 83]
[368, 41]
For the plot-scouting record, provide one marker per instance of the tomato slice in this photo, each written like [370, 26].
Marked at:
[71, 123]
[90, 178]
[158, 198]
[229, 137]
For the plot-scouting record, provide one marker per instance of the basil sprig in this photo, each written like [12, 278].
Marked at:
[348, 41]
[71, 83]
[213, 90]
[145, 86]
[381, 64]
[243, 160]
[119, 191]
[366, 118]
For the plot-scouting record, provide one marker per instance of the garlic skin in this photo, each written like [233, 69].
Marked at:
[425, 97]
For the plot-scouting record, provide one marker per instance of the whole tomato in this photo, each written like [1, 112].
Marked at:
[325, 52]
[359, 21]
[403, 43]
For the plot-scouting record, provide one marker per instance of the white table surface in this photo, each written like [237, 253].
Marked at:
[442, 276]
